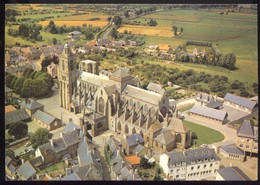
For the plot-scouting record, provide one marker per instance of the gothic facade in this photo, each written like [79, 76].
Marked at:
[117, 102]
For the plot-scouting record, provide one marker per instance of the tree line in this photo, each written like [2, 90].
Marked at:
[30, 84]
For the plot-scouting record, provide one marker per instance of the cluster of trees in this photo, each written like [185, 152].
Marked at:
[175, 29]
[117, 20]
[47, 61]
[30, 84]
[152, 22]
[88, 31]
[40, 137]
[27, 31]
[214, 58]
[10, 15]
[140, 11]
[189, 79]
[18, 130]
[140, 40]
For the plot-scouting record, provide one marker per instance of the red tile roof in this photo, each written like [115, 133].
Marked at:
[133, 159]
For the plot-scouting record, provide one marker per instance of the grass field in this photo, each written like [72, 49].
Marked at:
[205, 135]
[186, 108]
[76, 23]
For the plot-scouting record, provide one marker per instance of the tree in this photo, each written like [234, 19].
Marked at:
[18, 130]
[54, 41]
[40, 137]
[181, 29]
[89, 35]
[113, 33]
[117, 20]
[229, 61]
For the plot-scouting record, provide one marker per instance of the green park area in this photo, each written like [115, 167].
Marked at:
[204, 135]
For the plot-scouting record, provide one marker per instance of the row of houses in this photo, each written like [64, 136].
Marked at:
[209, 108]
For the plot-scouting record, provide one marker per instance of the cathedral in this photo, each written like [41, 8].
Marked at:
[116, 101]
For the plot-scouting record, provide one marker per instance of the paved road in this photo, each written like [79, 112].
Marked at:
[229, 133]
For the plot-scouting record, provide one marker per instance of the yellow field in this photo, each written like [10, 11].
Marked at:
[76, 23]
[83, 17]
[147, 30]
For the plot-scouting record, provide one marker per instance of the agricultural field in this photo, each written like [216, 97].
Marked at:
[234, 33]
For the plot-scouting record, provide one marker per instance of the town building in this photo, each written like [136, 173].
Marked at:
[16, 116]
[164, 48]
[31, 106]
[11, 165]
[208, 114]
[52, 70]
[46, 120]
[240, 103]
[247, 137]
[192, 164]
[232, 152]
[115, 101]
[74, 35]
[232, 173]
[26, 172]
[204, 99]
[133, 144]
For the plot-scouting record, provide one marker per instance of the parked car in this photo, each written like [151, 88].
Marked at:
[203, 145]
[28, 144]
[28, 150]
[22, 153]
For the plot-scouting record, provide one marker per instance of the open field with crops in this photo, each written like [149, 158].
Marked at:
[76, 23]
[234, 33]
[147, 30]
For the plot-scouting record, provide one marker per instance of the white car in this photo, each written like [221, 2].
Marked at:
[28, 144]
[204, 145]
[29, 150]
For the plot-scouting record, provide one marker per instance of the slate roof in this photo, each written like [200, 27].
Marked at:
[94, 79]
[155, 88]
[121, 72]
[233, 174]
[192, 155]
[70, 127]
[214, 105]
[58, 145]
[26, 170]
[46, 147]
[208, 112]
[12, 168]
[239, 101]
[110, 89]
[75, 32]
[43, 117]
[177, 125]
[165, 137]
[246, 129]
[32, 104]
[84, 155]
[71, 138]
[138, 148]
[7, 160]
[232, 149]
[134, 139]
[36, 161]
[141, 94]
[15, 116]
[72, 177]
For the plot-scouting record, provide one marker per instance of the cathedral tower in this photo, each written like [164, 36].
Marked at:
[67, 77]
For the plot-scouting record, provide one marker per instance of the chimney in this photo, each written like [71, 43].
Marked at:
[22, 160]
[117, 152]
[231, 164]
[208, 98]
[184, 153]
[200, 95]
[61, 134]
[70, 120]
[136, 153]
[51, 143]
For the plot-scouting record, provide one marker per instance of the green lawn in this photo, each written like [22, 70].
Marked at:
[205, 135]
[186, 108]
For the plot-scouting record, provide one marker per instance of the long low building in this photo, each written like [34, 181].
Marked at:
[231, 174]
[232, 152]
[240, 103]
[15, 116]
[209, 114]
[46, 120]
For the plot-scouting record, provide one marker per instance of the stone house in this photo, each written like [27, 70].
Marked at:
[232, 152]
[194, 164]
[31, 106]
[52, 70]
[11, 56]
[15, 116]
[133, 144]
[240, 103]
[204, 99]
[26, 172]
[74, 35]
[11, 165]
[31, 53]
[8, 95]
[46, 120]
[208, 114]
[247, 137]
